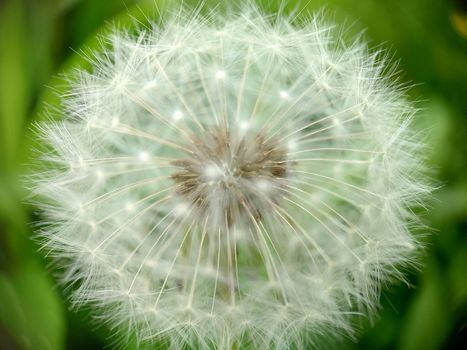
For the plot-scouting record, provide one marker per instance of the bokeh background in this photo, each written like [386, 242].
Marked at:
[39, 40]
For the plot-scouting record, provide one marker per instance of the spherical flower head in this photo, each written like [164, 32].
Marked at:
[231, 181]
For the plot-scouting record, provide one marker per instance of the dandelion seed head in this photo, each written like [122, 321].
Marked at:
[232, 180]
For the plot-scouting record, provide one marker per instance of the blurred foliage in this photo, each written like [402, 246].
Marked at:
[429, 37]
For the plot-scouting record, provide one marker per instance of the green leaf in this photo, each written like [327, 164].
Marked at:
[30, 310]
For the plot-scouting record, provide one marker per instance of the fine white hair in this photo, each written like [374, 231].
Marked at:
[231, 180]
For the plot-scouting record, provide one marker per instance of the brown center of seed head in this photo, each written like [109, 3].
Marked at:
[232, 176]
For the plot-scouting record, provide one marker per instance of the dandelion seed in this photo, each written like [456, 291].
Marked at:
[177, 115]
[284, 95]
[220, 75]
[144, 156]
[257, 195]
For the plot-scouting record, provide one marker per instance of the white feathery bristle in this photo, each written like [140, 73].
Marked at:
[230, 180]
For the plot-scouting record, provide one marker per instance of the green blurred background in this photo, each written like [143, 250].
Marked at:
[38, 39]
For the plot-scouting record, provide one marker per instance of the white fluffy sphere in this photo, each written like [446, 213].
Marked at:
[231, 181]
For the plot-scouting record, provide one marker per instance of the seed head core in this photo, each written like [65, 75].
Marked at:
[239, 173]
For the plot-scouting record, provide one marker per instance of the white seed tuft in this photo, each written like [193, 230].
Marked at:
[257, 195]
[220, 75]
[177, 115]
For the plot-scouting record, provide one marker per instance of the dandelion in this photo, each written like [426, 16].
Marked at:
[231, 181]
